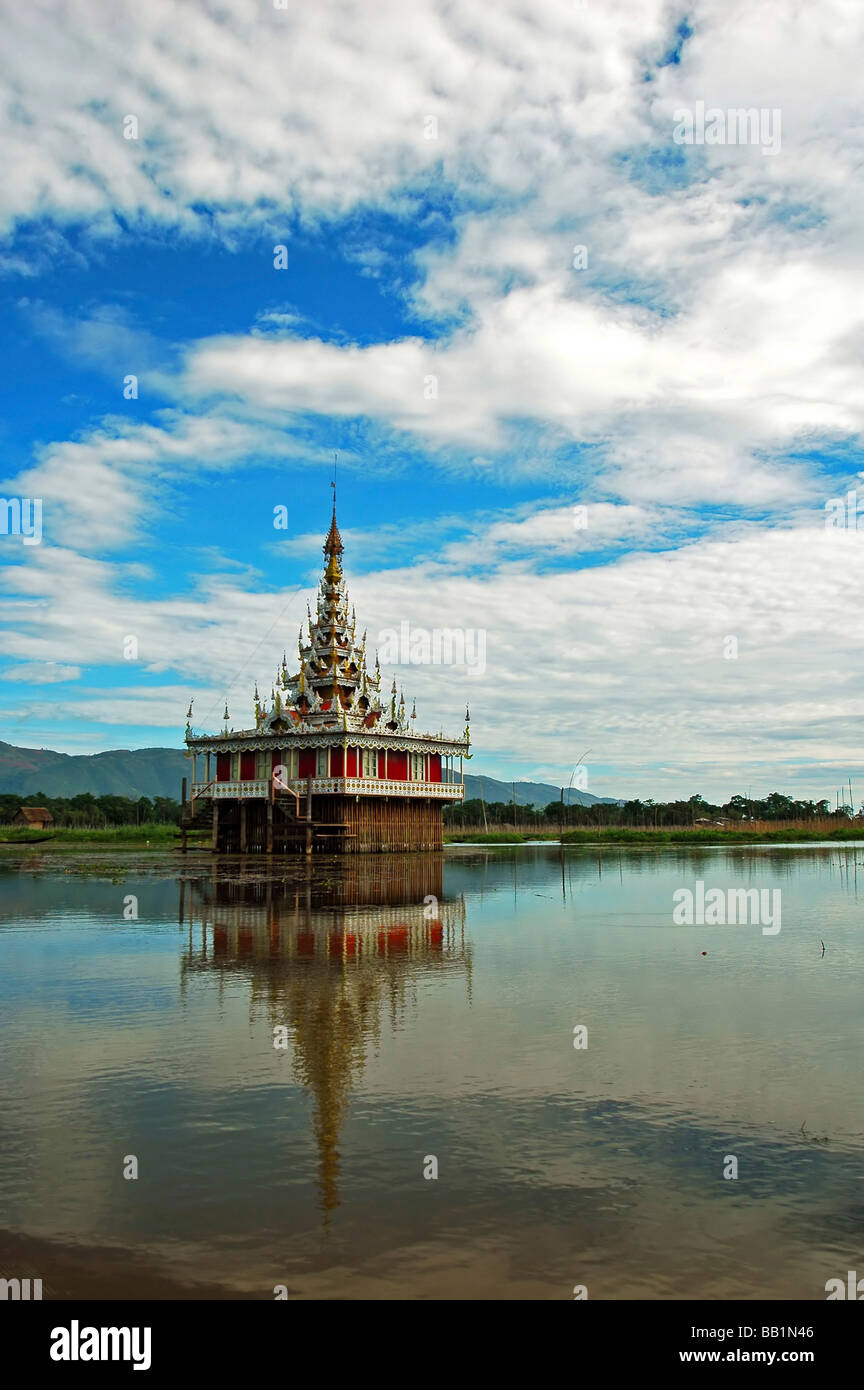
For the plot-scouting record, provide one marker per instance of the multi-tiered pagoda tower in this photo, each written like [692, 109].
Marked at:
[328, 765]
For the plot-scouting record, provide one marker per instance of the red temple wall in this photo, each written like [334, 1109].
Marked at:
[392, 764]
[397, 765]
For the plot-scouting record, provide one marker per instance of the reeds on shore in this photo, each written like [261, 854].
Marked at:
[738, 832]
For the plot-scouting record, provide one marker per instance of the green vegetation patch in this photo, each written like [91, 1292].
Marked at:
[790, 835]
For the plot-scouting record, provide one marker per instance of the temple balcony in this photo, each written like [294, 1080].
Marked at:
[330, 786]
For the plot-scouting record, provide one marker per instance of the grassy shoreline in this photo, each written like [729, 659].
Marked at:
[165, 836]
[787, 835]
[156, 835]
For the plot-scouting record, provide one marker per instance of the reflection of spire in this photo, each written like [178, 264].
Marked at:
[330, 973]
[330, 1020]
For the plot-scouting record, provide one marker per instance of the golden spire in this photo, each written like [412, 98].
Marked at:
[333, 547]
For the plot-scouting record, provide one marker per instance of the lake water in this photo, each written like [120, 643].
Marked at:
[409, 1031]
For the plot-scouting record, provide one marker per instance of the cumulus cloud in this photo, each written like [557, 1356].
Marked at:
[105, 490]
[246, 107]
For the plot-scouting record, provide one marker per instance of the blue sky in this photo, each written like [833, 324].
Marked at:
[690, 380]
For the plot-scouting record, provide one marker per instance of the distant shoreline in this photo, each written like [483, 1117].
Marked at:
[700, 836]
[166, 837]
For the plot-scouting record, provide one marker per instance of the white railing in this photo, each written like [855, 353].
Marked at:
[332, 786]
[253, 787]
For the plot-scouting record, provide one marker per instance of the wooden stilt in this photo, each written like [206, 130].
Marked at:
[183, 816]
[214, 843]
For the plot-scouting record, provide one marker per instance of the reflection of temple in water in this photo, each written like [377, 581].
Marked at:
[328, 958]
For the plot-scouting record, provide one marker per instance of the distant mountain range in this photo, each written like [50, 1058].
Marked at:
[528, 793]
[159, 772]
[122, 772]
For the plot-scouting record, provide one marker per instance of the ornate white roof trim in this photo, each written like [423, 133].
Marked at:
[253, 741]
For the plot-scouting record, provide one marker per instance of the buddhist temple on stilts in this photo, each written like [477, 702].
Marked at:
[327, 766]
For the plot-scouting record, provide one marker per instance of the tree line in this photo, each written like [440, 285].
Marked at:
[86, 811]
[649, 813]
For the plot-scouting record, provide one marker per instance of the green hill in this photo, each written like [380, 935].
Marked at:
[121, 772]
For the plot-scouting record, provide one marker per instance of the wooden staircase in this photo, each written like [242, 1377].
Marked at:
[200, 818]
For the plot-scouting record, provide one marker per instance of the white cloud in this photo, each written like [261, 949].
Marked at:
[316, 107]
[684, 409]
[41, 673]
[549, 533]
[101, 492]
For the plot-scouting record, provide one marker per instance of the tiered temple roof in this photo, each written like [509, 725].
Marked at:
[333, 681]
[333, 689]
